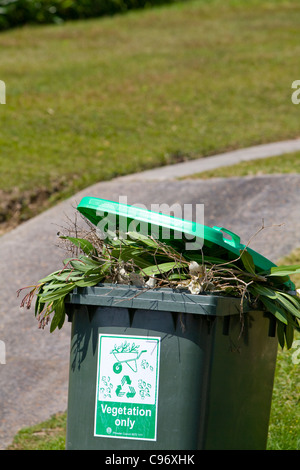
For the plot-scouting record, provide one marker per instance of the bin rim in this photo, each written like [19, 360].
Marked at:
[159, 299]
[94, 209]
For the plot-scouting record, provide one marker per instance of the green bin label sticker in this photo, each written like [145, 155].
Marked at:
[127, 387]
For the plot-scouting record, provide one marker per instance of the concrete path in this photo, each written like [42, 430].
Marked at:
[34, 380]
[224, 159]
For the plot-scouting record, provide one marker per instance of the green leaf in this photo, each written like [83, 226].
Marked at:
[49, 277]
[93, 272]
[90, 261]
[179, 276]
[284, 270]
[143, 238]
[280, 334]
[39, 306]
[83, 244]
[134, 255]
[79, 264]
[288, 305]
[273, 308]
[59, 315]
[54, 285]
[63, 275]
[279, 280]
[263, 290]
[247, 261]
[58, 293]
[90, 282]
[289, 335]
[292, 298]
[162, 268]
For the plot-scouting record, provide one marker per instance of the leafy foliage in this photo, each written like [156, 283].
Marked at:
[148, 263]
[20, 12]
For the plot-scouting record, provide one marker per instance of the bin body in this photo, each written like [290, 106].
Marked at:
[213, 382]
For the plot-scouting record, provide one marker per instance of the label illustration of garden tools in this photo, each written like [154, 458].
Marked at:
[127, 387]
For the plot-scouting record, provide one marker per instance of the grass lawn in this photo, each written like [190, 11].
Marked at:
[49, 435]
[284, 428]
[90, 100]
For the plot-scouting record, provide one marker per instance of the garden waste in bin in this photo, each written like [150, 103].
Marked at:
[161, 369]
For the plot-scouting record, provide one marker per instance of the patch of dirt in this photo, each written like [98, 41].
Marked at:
[18, 206]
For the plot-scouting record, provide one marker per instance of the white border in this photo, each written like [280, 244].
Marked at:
[157, 384]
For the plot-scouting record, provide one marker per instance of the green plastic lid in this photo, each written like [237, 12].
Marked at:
[109, 215]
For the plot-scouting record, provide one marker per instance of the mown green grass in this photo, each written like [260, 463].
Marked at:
[287, 163]
[90, 100]
[284, 428]
[48, 435]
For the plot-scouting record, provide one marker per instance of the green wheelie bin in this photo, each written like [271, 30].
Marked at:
[164, 369]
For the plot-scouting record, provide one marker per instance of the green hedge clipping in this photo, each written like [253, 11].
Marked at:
[19, 12]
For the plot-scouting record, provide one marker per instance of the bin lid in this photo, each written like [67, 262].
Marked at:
[117, 216]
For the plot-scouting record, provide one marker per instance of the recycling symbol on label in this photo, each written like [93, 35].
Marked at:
[125, 388]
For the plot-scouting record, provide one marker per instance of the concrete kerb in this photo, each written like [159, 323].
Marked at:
[220, 160]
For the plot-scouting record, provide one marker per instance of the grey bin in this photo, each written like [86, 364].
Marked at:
[211, 383]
